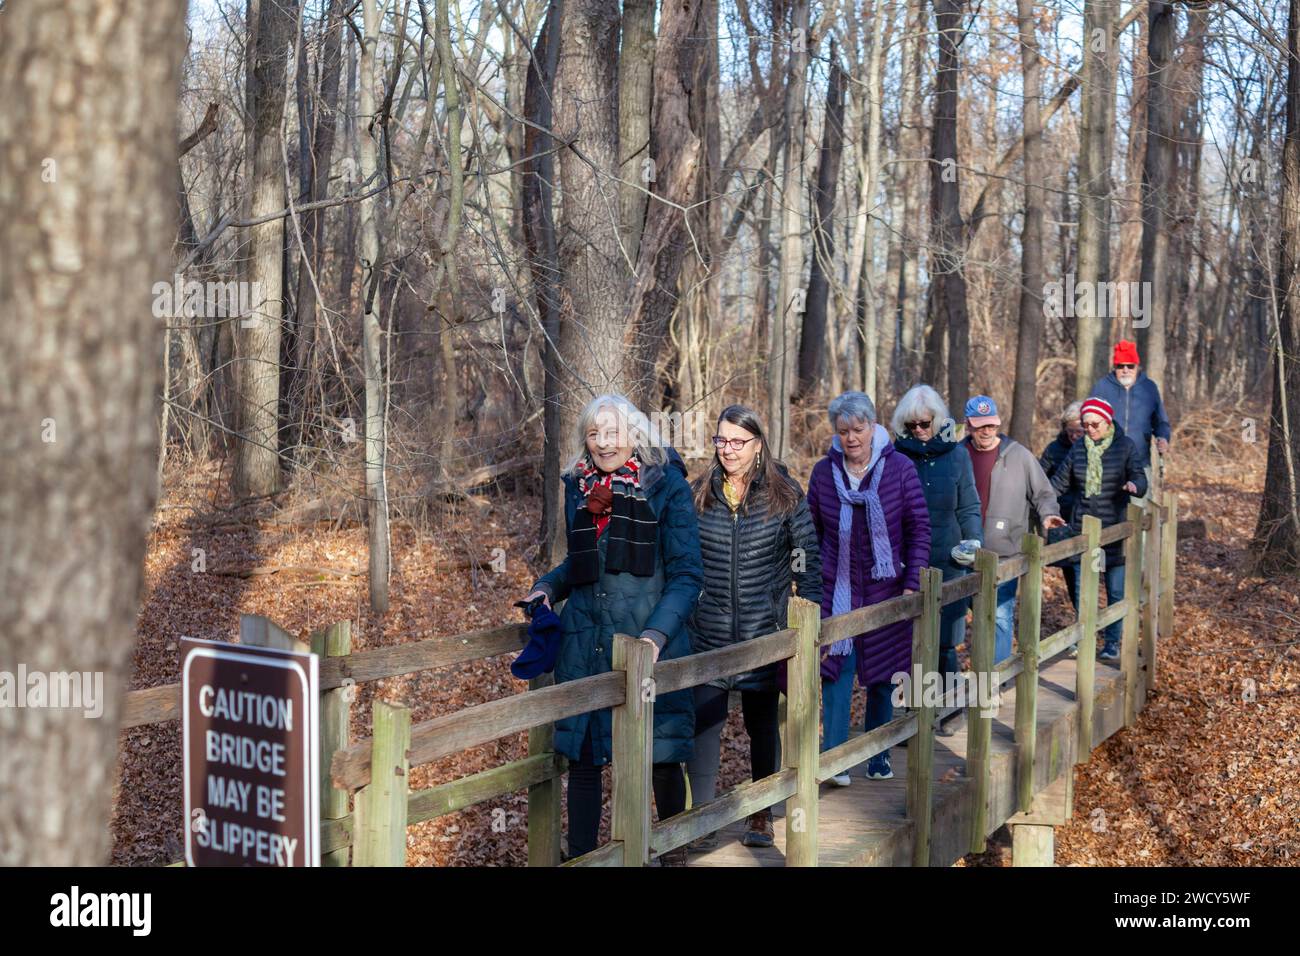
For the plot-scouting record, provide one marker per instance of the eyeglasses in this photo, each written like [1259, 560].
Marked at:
[1096, 426]
[736, 444]
[913, 426]
[985, 428]
[1126, 365]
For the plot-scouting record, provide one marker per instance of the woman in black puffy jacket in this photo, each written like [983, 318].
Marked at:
[756, 538]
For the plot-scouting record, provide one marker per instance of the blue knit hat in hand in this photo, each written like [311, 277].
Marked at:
[538, 657]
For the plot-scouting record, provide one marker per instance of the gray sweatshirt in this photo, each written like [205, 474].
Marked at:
[1016, 484]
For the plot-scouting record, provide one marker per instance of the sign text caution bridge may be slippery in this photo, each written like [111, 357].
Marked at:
[250, 743]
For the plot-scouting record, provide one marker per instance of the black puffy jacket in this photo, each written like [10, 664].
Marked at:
[750, 561]
[1119, 464]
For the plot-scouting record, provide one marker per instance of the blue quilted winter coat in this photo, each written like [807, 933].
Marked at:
[626, 603]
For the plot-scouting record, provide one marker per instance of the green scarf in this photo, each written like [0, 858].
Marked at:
[1092, 480]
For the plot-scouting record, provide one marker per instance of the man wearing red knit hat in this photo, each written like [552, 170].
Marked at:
[1139, 411]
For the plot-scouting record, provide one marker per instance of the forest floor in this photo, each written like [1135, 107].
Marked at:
[1209, 776]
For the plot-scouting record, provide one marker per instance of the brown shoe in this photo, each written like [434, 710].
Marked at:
[675, 857]
[759, 833]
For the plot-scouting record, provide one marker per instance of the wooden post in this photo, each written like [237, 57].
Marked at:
[379, 838]
[1128, 650]
[1090, 564]
[1028, 627]
[803, 711]
[1033, 845]
[920, 750]
[256, 630]
[633, 746]
[335, 724]
[1168, 560]
[980, 728]
[1154, 586]
[544, 797]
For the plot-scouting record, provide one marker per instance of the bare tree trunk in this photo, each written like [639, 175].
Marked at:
[325, 110]
[790, 292]
[681, 63]
[948, 310]
[87, 219]
[911, 147]
[593, 270]
[1157, 175]
[1031, 235]
[1092, 319]
[543, 259]
[636, 63]
[1277, 535]
[257, 462]
[812, 343]
[372, 333]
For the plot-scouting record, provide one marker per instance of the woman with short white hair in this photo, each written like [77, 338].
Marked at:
[925, 433]
[633, 567]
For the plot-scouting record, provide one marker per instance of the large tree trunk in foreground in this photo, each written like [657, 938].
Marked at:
[1277, 536]
[87, 218]
[257, 462]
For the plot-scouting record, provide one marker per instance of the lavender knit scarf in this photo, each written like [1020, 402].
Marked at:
[881, 547]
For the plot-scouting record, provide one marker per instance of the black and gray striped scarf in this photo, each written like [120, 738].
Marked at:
[632, 526]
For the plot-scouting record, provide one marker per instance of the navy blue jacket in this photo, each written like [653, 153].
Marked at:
[626, 603]
[1138, 411]
[948, 482]
[1053, 456]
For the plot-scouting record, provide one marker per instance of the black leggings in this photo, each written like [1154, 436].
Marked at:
[761, 723]
[586, 797]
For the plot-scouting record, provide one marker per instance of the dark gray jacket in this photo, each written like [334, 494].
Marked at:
[751, 557]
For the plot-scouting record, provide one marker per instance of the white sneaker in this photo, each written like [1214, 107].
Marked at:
[841, 780]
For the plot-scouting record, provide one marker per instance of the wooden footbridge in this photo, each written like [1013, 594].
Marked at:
[947, 797]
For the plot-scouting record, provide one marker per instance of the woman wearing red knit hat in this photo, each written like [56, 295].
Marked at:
[1103, 471]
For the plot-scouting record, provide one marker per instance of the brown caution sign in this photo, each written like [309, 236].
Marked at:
[250, 745]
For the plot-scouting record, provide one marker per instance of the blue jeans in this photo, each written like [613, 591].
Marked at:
[1114, 592]
[880, 707]
[1006, 620]
[837, 701]
[837, 698]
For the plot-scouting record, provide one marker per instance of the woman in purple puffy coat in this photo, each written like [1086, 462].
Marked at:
[869, 510]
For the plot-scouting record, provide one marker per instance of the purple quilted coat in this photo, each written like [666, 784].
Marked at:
[887, 650]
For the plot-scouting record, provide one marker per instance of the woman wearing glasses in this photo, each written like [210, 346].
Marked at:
[756, 537]
[1103, 470]
[870, 513]
[925, 434]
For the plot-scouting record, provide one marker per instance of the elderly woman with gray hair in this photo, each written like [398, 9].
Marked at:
[633, 567]
[869, 510]
[925, 434]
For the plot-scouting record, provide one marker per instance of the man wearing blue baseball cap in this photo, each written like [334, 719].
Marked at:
[1010, 482]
